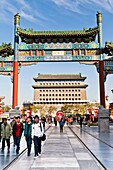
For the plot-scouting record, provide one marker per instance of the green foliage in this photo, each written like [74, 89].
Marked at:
[77, 109]
[7, 108]
[51, 109]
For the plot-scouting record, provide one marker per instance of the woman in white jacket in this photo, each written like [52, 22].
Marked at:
[37, 133]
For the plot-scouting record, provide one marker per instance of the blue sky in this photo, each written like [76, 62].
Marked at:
[54, 15]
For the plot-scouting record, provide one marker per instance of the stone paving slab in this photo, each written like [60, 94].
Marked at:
[60, 152]
[102, 151]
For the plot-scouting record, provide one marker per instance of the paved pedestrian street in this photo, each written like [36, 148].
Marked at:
[61, 151]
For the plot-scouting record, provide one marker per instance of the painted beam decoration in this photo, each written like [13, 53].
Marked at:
[7, 59]
[107, 57]
[57, 46]
[6, 69]
[58, 58]
[58, 52]
[108, 65]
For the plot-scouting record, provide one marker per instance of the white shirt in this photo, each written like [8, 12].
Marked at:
[36, 130]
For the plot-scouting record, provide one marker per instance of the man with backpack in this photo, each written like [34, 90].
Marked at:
[37, 133]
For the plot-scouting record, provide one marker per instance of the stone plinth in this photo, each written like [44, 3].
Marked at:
[103, 119]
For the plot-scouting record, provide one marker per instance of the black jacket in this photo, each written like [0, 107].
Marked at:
[14, 129]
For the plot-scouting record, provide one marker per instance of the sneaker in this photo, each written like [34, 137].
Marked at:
[35, 156]
[39, 154]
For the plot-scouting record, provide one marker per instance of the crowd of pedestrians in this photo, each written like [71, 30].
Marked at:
[32, 129]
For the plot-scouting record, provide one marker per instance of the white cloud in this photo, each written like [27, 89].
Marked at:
[27, 16]
[68, 4]
[78, 6]
[23, 3]
[22, 7]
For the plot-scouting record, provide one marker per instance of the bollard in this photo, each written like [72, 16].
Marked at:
[103, 119]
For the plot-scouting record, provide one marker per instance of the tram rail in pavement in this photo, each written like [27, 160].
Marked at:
[61, 151]
[88, 149]
[97, 143]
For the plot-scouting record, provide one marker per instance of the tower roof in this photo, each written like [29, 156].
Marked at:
[31, 36]
[59, 77]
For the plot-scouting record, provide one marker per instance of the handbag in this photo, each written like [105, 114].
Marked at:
[43, 138]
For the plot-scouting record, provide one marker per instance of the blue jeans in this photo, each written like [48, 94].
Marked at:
[17, 143]
[29, 142]
[37, 145]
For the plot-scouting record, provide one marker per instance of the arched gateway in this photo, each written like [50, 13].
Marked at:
[44, 46]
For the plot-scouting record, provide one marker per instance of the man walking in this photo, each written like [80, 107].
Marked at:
[61, 123]
[37, 133]
[17, 133]
[5, 134]
[12, 124]
[28, 133]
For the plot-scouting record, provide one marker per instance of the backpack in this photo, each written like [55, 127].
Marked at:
[43, 138]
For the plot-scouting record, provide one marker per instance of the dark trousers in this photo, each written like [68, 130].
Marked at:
[3, 143]
[29, 142]
[61, 128]
[17, 143]
[14, 140]
[37, 145]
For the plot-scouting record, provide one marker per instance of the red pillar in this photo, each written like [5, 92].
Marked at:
[31, 53]
[37, 53]
[2, 64]
[15, 84]
[101, 80]
[73, 52]
[43, 52]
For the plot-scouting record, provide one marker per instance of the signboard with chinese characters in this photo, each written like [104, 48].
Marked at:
[58, 53]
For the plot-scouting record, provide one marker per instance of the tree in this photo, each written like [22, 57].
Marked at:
[7, 108]
[33, 107]
[51, 109]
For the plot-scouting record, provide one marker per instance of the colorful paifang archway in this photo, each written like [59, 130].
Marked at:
[46, 46]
